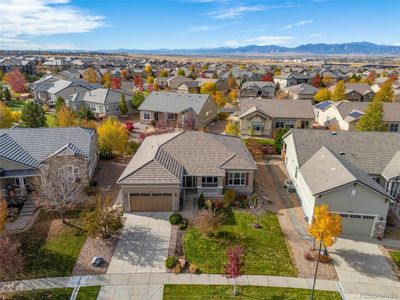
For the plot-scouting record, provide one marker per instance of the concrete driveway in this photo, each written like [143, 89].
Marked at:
[143, 244]
[361, 262]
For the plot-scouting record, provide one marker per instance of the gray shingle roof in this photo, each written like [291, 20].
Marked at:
[369, 151]
[326, 170]
[391, 110]
[303, 88]
[31, 146]
[186, 152]
[174, 102]
[296, 109]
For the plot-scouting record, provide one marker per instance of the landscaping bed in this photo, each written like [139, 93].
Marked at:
[211, 292]
[49, 248]
[265, 248]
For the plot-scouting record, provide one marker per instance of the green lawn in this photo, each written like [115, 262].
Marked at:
[216, 292]
[50, 119]
[88, 292]
[263, 141]
[16, 105]
[266, 251]
[395, 256]
[48, 255]
[45, 294]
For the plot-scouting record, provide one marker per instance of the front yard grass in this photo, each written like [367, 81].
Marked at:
[395, 256]
[263, 141]
[266, 251]
[88, 292]
[42, 294]
[49, 253]
[211, 292]
[16, 105]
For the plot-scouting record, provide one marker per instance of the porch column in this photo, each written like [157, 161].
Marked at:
[21, 182]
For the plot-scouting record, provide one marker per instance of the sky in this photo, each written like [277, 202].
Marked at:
[188, 24]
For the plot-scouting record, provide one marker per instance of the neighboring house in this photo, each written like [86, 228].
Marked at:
[189, 87]
[292, 78]
[102, 102]
[344, 115]
[48, 88]
[356, 173]
[301, 91]
[264, 116]
[168, 167]
[162, 82]
[199, 109]
[71, 74]
[254, 89]
[175, 81]
[25, 66]
[23, 151]
[357, 92]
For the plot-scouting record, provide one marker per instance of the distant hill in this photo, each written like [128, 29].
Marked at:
[357, 48]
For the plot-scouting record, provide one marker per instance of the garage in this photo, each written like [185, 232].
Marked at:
[357, 224]
[150, 202]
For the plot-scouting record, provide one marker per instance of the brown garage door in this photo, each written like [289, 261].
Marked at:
[151, 202]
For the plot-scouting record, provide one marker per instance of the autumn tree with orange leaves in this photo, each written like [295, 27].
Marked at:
[16, 80]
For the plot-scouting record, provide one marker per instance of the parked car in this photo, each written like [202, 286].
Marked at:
[289, 185]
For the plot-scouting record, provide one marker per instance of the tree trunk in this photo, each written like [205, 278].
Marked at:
[235, 291]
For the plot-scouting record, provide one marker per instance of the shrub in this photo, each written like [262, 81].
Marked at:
[171, 262]
[193, 269]
[132, 147]
[202, 201]
[208, 223]
[105, 152]
[177, 269]
[308, 256]
[175, 219]
[183, 225]
[209, 204]
[229, 197]
[91, 190]
[325, 259]
[222, 116]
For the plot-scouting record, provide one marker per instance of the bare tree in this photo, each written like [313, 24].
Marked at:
[257, 205]
[61, 184]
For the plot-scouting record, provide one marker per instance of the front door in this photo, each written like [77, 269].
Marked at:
[189, 182]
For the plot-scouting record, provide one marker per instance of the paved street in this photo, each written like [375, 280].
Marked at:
[143, 244]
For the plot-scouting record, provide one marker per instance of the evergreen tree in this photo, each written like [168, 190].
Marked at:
[85, 114]
[33, 115]
[7, 94]
[60, 102]
[123, 108]
[137, 99]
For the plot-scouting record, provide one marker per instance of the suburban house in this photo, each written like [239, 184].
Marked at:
[24, 151]
[263, 116]
[175, 81]
[102, 102]
[25, 66]
[194, 86]
[356, 173]
[344, 115]
[292, 78]
[357, 92]
[180, 108]
[263, 89]
[49, 87]
[168, 167]
[301, 91]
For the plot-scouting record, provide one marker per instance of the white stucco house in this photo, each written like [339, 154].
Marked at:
[356, 173]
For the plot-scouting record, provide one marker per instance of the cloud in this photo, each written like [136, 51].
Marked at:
[314, 35]
[234, 12]
[300, 23]
[23, 19]
[203, 28]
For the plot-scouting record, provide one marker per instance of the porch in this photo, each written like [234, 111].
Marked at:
[208, 185]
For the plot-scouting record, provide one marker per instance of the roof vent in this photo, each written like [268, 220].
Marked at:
[341, 153]
[334, 133]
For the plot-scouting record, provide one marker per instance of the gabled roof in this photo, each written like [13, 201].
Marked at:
[186, 152]
[296, 109]
[326, 170]
[174, 102]
[302, 88]
[392, 169]
[369, 151]
[257, 84]
[31, 146]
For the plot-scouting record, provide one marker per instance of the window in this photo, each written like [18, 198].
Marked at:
[146, 115]
[237, 178]
[369, 217]
[101, 109]
[344, 215]
[257, 126]
[171, 117]
[305, 124]
[134, 194]
[377, 179]
[355, 216]
[145, 194]
[282, 123]
[209, 181]
[167, 194]
[394, 127]
[156, 194]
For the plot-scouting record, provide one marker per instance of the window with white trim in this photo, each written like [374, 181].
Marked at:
[146, 115]
[237, 178]
[284, 123]
[171, 117]
[257, 126]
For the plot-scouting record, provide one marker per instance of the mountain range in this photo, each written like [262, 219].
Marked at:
[356, 48]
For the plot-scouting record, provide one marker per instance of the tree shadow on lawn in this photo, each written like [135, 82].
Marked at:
[39, 261]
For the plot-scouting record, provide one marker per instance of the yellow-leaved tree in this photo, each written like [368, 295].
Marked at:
[6, 116]
[112, 137]
[66, 117]
[232, 128]
[325, 225]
